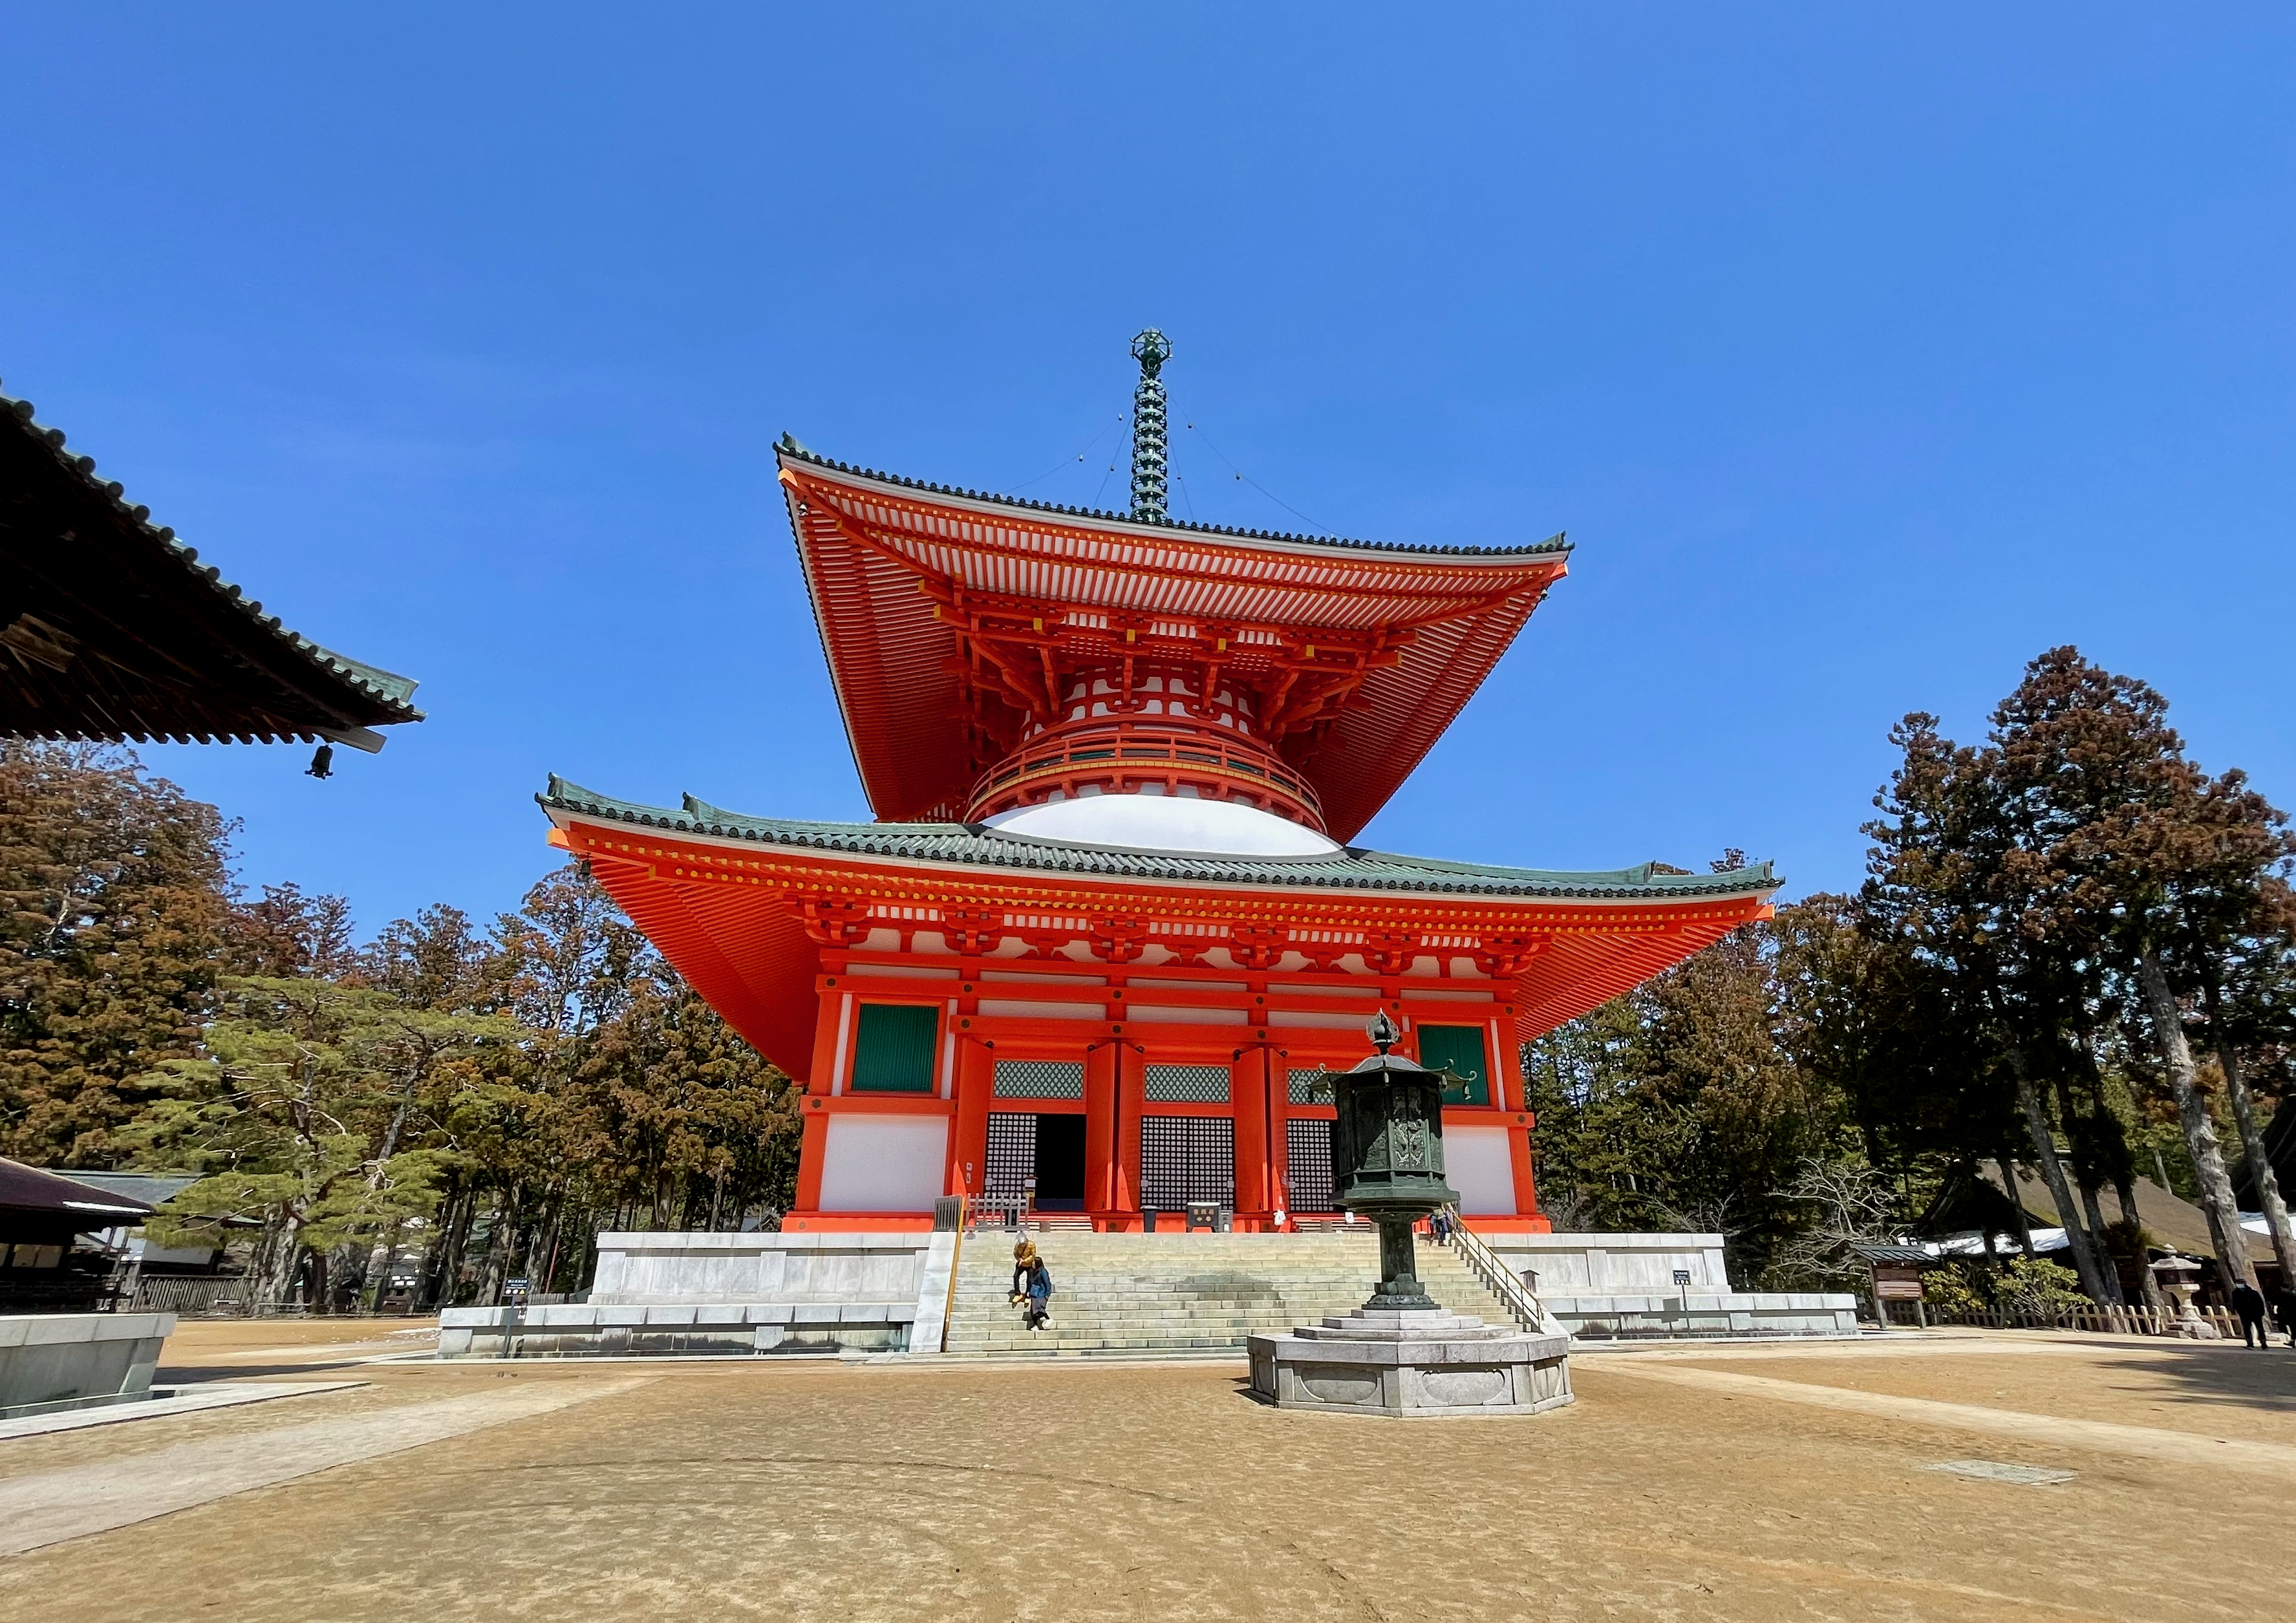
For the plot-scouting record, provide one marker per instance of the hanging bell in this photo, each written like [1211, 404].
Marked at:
[322, 764]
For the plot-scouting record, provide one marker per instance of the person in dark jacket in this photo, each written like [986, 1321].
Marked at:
[1040, 1295]
[2247, 1301]
[2283, 1308]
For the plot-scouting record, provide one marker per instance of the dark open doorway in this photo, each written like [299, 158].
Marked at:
[1059, 1163]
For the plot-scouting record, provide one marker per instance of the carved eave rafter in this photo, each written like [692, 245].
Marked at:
[1024, 650]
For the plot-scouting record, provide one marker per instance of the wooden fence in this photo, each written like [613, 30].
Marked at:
[193, 1296]
[2105, 1321]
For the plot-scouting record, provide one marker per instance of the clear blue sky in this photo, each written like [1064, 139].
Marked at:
[1864, 351]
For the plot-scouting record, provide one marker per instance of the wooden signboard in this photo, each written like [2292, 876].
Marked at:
[1897, 1284]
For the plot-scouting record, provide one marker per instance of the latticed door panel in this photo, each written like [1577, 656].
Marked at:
[1184, 1158]
[1307, 1151]
[1011, 1156]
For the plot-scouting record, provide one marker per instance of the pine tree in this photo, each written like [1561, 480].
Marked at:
[2134, 858]
[113, 927]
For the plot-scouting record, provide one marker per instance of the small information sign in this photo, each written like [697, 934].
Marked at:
[1897, 1284]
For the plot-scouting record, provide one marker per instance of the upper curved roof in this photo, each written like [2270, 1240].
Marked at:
[111, 628]
[884, 557]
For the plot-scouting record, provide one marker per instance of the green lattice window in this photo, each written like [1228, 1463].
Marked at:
[894, 1051]
[1039, 1080]
[1186, 1083]
[1460, 1049]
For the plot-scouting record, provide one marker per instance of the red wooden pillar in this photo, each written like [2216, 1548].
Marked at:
[1247, 1093]
[1103, 1186]
[810, 1152]
[976, 1087]
[1279, 1132]
[1506, 1069]
[832, 1011]
[1131, 1101]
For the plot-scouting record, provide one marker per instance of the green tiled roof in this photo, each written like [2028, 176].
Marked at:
[1554, 544]
[1352, 869]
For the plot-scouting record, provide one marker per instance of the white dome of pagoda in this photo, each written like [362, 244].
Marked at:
[1165, 822]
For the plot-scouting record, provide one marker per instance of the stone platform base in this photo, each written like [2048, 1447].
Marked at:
[1431, 1363]
[54, 1361]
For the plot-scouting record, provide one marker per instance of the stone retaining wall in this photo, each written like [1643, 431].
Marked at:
[730, 1294]
[1603, 1286]
[57, 1361]
[740, 1294]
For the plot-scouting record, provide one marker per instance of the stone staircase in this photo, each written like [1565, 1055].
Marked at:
[1167, 1294]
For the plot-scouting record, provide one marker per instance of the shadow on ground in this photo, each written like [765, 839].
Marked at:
[2263, 1379]
[184, 1374]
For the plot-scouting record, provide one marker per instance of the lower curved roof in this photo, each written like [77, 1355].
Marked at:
[1349, 868]
[736, 902]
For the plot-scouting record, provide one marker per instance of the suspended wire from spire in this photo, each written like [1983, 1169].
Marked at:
[1064, 462]
[1247, 478]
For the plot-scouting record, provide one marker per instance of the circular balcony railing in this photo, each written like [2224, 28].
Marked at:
[1119, 755]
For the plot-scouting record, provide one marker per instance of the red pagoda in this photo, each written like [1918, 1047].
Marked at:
[1109, 922]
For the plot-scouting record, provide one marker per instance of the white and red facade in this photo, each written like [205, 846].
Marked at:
[1107, 927]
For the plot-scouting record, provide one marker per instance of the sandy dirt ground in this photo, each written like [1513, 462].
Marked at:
[822, 1491]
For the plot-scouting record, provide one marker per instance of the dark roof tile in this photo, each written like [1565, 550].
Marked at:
[789, 446]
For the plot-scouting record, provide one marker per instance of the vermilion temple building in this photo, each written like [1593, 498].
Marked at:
[1111, 918]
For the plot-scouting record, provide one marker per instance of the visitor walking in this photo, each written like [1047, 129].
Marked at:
[2283, 1308]
[1439, 1225]
[1040, 1295]
[2247, 1301]
[1024, 1258]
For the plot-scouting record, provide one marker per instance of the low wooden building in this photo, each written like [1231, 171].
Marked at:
[41, 1215]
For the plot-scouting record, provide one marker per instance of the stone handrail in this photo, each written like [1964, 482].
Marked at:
[955, 1256]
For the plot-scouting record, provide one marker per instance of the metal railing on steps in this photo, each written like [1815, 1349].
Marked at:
[1513, 1292]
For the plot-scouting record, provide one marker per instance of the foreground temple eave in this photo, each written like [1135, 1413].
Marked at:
[116, 629]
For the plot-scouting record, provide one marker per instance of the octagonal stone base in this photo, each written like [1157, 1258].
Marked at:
[1418, 1363]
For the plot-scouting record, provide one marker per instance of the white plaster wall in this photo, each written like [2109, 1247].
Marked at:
[883, 1163]
[679, 1267]
[1569, 1263]
[1476, 1163]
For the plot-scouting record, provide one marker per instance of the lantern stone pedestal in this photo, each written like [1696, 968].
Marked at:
[1414, 1363]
